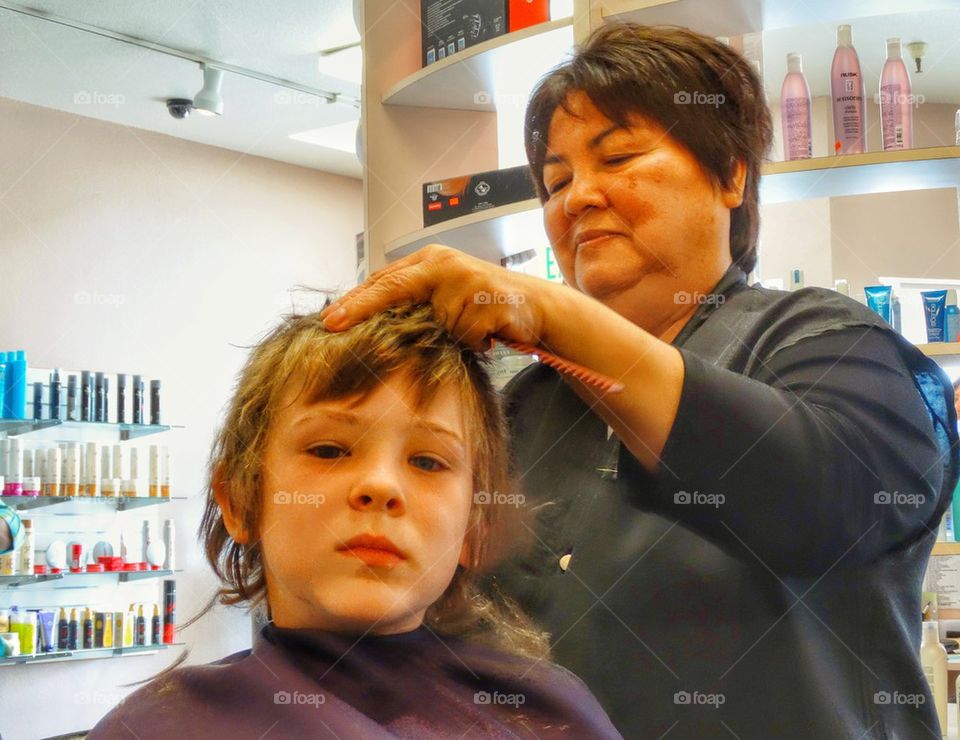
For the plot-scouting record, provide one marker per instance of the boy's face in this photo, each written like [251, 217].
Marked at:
[373, 466]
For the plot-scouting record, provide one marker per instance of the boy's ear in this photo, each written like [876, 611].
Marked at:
[221, 493]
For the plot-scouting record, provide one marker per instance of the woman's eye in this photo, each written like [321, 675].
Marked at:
[556, 187]
[429, 464]
[327, 452]
[619, 159]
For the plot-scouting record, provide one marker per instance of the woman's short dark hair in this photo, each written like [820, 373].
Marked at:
[703, 92]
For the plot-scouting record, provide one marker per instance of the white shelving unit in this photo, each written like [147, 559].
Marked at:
[466, 80]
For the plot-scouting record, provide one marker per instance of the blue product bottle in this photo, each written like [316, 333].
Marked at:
[3, 385]
[952, 316]
[955, 507]
[17, 385]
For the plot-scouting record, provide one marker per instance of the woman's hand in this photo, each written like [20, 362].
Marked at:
[474, 299]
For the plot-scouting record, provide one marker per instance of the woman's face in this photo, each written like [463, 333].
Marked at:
[374, 466]
[634, 220]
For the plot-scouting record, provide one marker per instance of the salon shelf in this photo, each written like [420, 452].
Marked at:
[26, 580]
[80, 431]
[946, 548]
[735, 17]
[490, 235]
[68, 578]
[466, 80]
[861, 174]
[120, 503]
[88, 653]
[940, 349]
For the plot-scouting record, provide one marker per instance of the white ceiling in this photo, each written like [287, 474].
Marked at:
[59, 67]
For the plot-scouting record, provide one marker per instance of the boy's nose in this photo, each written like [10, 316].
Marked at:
[378, 494]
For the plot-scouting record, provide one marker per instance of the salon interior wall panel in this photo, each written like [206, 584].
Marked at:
[407, 146]
[906, 234]
[796, 235]
[136, 251]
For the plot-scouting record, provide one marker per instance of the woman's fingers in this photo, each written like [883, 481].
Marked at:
[409, 280]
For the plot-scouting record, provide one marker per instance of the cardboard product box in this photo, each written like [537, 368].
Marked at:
[458, 196]
[524, 13]
[449, 26]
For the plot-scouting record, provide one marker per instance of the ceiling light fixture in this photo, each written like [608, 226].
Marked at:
[208, 101]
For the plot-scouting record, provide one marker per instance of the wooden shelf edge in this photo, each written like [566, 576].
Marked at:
[816, 164]
[463, 57]
[472, 219]
[940, 349]
[946, 548]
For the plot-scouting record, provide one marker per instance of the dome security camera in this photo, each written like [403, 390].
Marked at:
[179, 108]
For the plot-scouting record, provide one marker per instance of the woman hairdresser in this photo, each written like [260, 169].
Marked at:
[734, 544]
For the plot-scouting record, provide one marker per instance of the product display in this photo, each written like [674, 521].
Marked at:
[14, 384]
[879, 300]
[933, 658]
[69, 469]
[458, 196]
[934, 310]
[896, 100]
[524, 13]
[847, 89]
[795, 111]
[449, 26]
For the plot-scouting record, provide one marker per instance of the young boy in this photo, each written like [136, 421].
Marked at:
[357, 486]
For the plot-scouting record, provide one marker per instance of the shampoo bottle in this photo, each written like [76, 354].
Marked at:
[896, 111]
[933, 658]
[846, 87]
[795, 110]
[952, 316]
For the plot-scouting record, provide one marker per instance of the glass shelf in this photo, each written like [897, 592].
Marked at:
[125, 576]
[120, 503]
[88, 653]
[61, 430]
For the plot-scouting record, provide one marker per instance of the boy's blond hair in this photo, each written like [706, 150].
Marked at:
[338, 365]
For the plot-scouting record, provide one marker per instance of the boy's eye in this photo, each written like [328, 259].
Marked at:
[429, 464]
[327, 452]
[619, 159]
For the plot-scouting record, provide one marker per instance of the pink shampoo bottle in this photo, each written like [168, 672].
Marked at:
[795, 110]
[846, 87]
[896, 109]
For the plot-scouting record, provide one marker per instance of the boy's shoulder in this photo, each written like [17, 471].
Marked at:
[163, 707]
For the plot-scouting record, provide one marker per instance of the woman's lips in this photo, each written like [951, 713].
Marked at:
[373, 550]
[593, 237]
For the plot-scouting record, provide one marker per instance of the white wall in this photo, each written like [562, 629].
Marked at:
[195, 247]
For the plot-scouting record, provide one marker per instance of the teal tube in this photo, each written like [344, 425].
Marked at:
[878, 299]
[935, 315]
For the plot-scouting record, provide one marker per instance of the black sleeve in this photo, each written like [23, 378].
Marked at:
[826, 454]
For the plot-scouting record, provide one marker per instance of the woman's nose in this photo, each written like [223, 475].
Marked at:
[378, 492]
[584, 191]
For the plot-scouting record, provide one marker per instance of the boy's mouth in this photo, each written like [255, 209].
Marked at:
[373, 550]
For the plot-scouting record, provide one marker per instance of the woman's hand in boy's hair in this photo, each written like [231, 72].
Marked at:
[474, 299]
